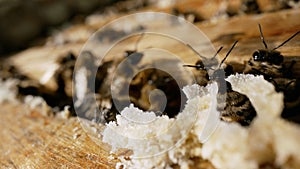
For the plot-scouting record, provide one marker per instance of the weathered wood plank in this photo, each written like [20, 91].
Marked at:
[30, 140]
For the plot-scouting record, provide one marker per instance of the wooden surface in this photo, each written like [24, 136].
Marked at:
[30, 140]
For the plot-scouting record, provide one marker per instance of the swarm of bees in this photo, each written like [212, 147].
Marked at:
[233, 106]
[266, 62]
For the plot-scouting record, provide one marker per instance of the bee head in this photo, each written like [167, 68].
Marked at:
[272, 57]
[200, 65]
[260, 55]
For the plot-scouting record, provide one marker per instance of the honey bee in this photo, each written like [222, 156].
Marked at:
[290, 87]
[270, 64]
[143, 91]
[106, 110]
[125, 71]
[140, 87]
[203, 65]
[291, 90]
[143, 85]
[238, 107]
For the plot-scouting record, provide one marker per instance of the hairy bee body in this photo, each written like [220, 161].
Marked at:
[238, 108]
[270, 64]
[233, 106]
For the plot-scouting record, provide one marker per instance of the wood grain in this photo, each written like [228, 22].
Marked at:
[30, 140]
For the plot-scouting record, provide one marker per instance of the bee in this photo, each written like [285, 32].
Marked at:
[269, 62]
[291, 90]
[87, 91]
[233, 106]
[290, 87]
[203, 66]
[144, 83]
[106, 109]
[125, 72]
[140, 87]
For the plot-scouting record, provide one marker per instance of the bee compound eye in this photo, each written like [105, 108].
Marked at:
[200, 65]
[256, 56]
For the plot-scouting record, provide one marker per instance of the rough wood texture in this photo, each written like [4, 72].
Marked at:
[30, 140]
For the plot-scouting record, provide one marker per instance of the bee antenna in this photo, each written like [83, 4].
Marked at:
[189, 66]
[194, 66]
[219, 50]
[138, 41]
[202, 57]
[262, 36]
[228, 53]
[287, 40]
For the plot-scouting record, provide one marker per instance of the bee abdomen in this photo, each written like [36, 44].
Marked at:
[238, 109]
